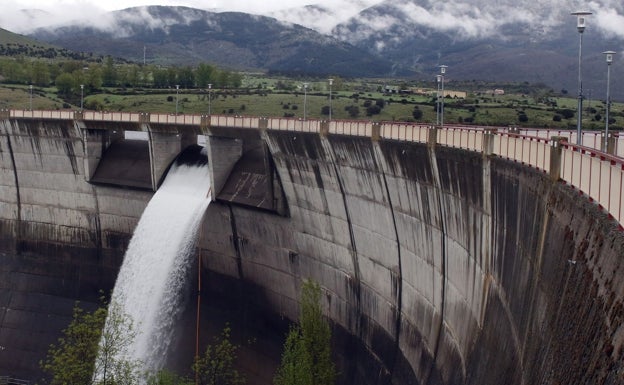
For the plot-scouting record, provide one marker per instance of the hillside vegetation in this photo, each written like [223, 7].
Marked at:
[106, 83]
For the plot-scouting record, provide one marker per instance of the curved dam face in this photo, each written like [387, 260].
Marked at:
[438, 266]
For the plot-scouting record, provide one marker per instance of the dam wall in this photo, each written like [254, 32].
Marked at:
[448, 266]
[438, 265]
[62, 239]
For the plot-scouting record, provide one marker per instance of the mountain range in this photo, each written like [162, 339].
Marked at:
[496, 41]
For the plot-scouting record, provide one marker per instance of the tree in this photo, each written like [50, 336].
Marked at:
[111, 365]
[296, 361]
[353, 111]
[109, 73]
[307, 351]
[204, 74]
[417, 113]
[186, 77]
[165, 377]
[64, 84]
[88, 351]
[71, 360]
[40, 75]
[566, 113]
[216, 366]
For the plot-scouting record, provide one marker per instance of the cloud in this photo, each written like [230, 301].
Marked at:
[464, 19]
[610, 22]
[477, 19]
[323, 16]
[18, 17]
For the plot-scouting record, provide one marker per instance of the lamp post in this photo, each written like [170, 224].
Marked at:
[580, 26]
[177, 91]
[81, 96]
[442, 72]
[609, 56]
[331, 81]
[31, 96]
[305, 100]
[439, 80]
[209, 97]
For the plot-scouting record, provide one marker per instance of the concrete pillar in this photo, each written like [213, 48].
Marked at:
[205, 124]
[611, 141]
[164, 147]
[263, 123]
[432, 136]
[488, 141]
[144, 117]
[486, 218]
[555, 157]
[324, 128]
[223, 153]
[376, 134]
[96, 141]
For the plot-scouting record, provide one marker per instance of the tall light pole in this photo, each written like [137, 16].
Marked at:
[305, 100]
[331, 81]
[442, 72]
[209, 97]
[81, 96]
[439, 80]
[31, 96]
[580, 26]
[177, 91]
[609, 56]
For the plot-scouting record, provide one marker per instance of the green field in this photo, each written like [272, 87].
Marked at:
[261, 97]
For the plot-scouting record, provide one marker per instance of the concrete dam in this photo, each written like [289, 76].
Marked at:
[445, 255]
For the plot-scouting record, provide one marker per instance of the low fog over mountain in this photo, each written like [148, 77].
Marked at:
[499, 40]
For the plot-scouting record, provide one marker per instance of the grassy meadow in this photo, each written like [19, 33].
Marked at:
[264, 96]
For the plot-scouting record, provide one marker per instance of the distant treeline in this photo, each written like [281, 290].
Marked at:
[69, 75]
[36, 51]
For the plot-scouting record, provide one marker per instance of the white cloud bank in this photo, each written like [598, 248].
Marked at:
[467, 18]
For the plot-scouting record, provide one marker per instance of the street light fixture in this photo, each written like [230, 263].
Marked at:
[177, 91]
[442, 72]
[209, 97]
[580, 26]
[331, 81]
[439, 80]
[305, 100]
[609, 57]
[81, 96]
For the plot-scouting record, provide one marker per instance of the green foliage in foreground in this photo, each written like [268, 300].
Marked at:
[88, 351]
[217, 365]
[307, 351]
[71, 361]
[91, 351]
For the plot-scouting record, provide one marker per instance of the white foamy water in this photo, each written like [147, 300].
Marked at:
[156, 266]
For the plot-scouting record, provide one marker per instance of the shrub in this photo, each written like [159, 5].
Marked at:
[417, 113]
[566, 113]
